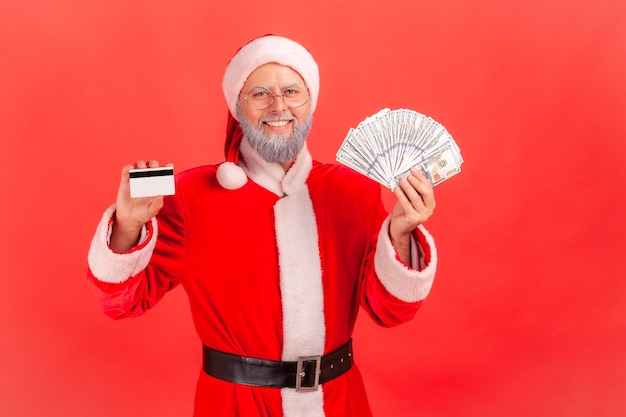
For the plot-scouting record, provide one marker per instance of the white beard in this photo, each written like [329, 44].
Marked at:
[275, 148]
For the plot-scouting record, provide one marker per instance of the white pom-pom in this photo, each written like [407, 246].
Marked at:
[231, 176]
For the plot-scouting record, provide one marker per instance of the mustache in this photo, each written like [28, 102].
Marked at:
[277, 117]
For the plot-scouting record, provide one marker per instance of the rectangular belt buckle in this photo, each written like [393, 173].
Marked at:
[300, 373]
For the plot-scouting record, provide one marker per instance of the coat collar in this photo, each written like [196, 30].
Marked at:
[271, 175]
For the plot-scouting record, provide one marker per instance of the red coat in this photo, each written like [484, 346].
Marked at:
[274, 271]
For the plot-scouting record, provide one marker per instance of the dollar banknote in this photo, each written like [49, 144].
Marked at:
[386, 145]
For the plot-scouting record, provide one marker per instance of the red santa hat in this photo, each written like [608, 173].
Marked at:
[263, 50]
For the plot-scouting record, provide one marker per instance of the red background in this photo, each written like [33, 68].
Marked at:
[527, 316]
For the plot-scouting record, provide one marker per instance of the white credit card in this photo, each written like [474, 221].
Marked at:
[149, 182]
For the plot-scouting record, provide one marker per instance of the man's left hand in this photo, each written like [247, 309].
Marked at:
[416, 203]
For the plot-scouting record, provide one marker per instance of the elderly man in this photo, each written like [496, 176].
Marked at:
[276, 252]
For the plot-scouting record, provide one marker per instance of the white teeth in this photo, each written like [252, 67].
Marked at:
[278, 123]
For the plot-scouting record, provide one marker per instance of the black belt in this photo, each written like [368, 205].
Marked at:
[305, 374]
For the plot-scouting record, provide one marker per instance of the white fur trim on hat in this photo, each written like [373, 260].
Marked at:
[265, 50]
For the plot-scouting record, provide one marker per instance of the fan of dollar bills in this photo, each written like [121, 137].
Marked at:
[387, 144]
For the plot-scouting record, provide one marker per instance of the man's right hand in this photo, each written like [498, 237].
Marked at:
[132, 213]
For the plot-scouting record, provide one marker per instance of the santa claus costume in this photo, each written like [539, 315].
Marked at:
[276, 264]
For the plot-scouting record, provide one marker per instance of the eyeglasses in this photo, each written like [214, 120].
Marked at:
[260, 98]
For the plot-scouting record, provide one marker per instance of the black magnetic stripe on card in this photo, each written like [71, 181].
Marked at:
[151, 173]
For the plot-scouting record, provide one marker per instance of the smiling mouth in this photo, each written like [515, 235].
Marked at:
[277, 123]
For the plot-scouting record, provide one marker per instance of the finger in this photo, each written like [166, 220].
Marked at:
[126, 172]
[153, 163]
[408, 196]
[123, 192]
[155, 205]
[421, 179]
[416, 172]
[423, 187]
[140, 164]
[402, 198]
[425, 195]
[414, 190]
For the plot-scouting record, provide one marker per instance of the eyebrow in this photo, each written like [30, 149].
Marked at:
[284, 87]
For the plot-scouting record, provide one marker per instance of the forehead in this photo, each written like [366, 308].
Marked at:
[273, 75]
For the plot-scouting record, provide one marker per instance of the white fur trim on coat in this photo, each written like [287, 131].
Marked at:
[406, 284]
[300, 277]
[304, 324]
[111, 267]
[271, 175]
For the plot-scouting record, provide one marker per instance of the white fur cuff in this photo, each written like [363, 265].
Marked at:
[406, 284]
[112, 267]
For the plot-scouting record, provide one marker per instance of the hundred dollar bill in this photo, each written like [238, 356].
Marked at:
[437, 168]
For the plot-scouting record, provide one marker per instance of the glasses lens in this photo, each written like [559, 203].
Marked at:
[295, 96]
[260, 98]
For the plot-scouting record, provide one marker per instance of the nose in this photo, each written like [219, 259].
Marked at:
[278, 104]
